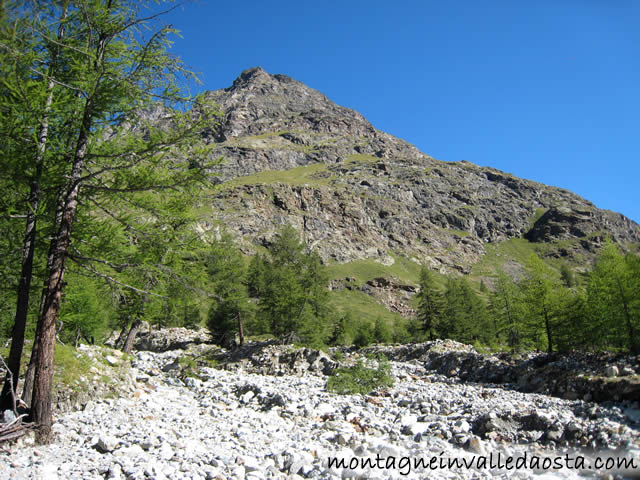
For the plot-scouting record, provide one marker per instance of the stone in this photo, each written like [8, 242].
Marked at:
[475, 445]
[106, 444]
[246, 398]
[204, 429]
[8, 416]
[612, 371]
[111, 360]
[462, 426]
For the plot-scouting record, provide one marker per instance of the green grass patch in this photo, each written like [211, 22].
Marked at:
[514, 249]
[313, 174]
[361, 306]
[360, 379]
[270, 134]
[71, 367]
[362, 158]
[460, 233]
[403, 269]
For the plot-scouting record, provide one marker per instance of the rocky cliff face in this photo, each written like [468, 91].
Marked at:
[355, 193]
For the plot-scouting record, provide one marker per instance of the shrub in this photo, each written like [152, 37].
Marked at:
[360, 379]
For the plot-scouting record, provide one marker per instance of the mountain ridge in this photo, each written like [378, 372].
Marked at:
[373, 205]
[273, 122]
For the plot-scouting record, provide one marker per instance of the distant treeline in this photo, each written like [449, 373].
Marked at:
[545, 310]
[283, 293]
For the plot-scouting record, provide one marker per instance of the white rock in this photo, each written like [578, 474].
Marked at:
[165, 452]
[106, 444]
[246, 398]
[612, 371]
[111, 360]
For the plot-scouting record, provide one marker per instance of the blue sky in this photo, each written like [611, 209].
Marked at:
[547, 90]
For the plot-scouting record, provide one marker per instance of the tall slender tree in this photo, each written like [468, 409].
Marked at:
[541, 289]
[506, 300]
[430, 303]
[27, 104]
[126, 119]
[614, 297]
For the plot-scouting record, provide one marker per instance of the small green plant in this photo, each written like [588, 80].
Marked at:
[213, 363]
[71, 367]
[338, 356]
[360, 379]
[188, 366]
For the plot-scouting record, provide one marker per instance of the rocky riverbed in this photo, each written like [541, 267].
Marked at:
[265, 413]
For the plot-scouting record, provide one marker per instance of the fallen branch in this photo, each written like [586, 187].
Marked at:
[16, 428]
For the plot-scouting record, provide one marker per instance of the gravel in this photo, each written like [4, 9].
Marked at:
[234, 424]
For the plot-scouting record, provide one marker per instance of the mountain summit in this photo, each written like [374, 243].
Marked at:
[357, 194]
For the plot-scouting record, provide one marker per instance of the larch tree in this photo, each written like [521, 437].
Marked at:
[507, 309]
[231, 307]
[613, 295]
[430, 303]
[27, 102]
[541, 289]
[125, 119]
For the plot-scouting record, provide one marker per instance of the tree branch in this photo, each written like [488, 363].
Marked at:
[110, 279]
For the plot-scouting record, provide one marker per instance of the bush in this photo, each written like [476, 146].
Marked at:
[360, 379]
[382, 332]
[363, 334]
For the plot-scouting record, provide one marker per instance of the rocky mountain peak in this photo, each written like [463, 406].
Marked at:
[358, 194]
[251, 76]
[258, 103]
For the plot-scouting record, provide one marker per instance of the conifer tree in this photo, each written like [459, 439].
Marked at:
[430, 303]
[541, 290]
[506, 301]
[292, 287]
[464, 315]
[108, 69]
[614, 297]
[231, 308]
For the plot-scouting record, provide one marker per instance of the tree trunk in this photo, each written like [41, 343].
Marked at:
[131, 336]
[22, 308]
[547, 325]
[28, 251]
[46, 341]
[240, 329]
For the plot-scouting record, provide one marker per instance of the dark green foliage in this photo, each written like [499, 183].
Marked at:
[227, 273]
[341, 334]
[362, 334]
[291, 285]
[464, 316]
[507, 312]
[407, 330]
[567, 276]
[360, 379]
[430, 303]
[613, 296]
[541, 291]
[575, 324]
[255, 276]
[382, 331]
[86, 310]
[350, 330]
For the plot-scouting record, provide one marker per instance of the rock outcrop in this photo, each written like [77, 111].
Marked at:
[587, 376]
[290, 155]
[354, 192]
